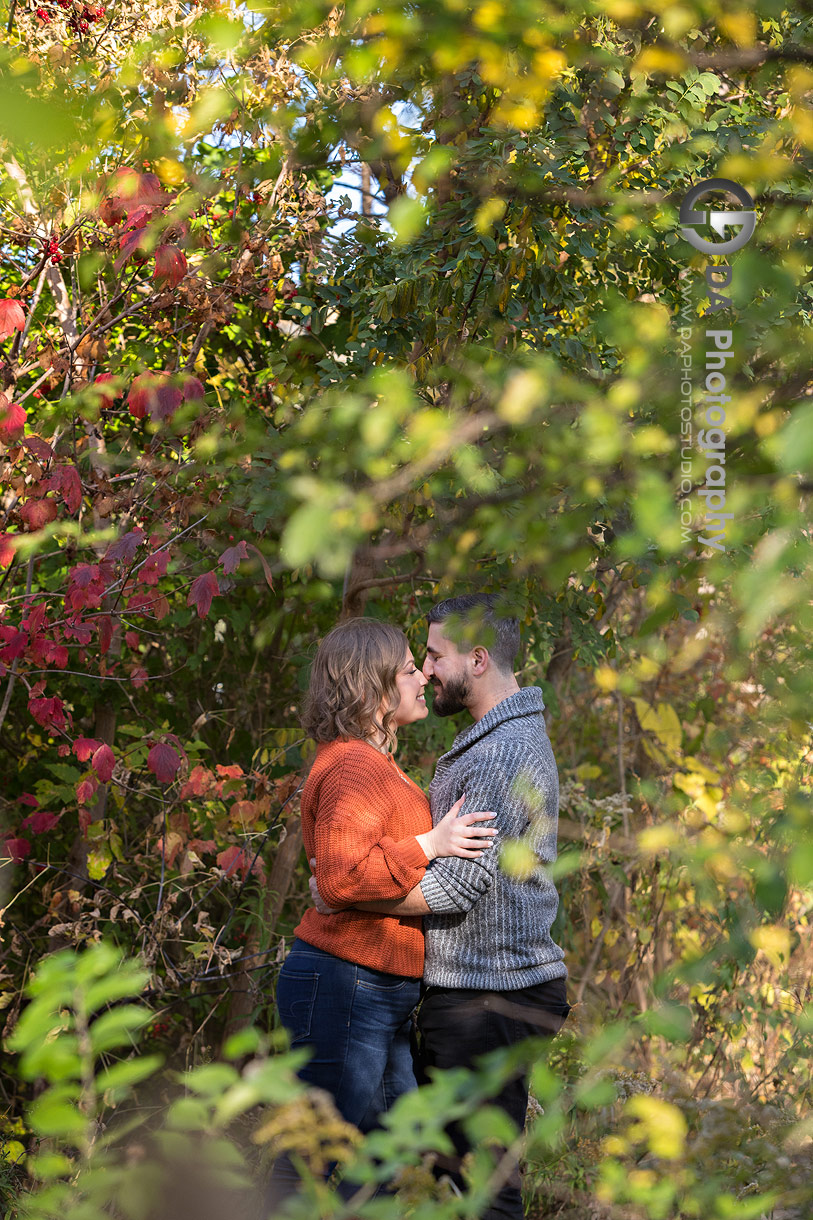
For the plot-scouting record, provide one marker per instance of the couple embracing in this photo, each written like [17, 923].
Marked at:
[411, 905]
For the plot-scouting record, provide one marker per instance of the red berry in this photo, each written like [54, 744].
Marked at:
[43, 16]
[83, 27]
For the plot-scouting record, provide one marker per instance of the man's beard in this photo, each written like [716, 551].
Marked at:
[452, 697]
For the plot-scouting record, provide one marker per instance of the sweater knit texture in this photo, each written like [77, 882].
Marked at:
[489, 930]
[360, 816]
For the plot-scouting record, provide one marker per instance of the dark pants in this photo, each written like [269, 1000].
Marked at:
[358, 1023]
[458, 1025]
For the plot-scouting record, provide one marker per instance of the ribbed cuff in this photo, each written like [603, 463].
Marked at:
[437, 898]
[412, 853]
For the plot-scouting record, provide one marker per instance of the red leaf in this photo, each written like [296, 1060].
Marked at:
[84, 821]
[131, 639]
[232, 771]
[170, 265]
[86, 789]
[70, 485]
[126, 546]
[107, 396]
[40, 822]
[50, 713]
[164, 762]
[200, 781]
[41, 449]
[203, 847]
[28, 798]
[38, 513]
[56, 654]
[12, 317]
[204, 588]
[231, 557]
[12, 420]
[151, 393]
[75, 629]
[83, 747]
[138, 399]
[105, 634]
[130, 243]
[14, 643]
[17, 849]
[103, 762]
[160, 607]
[155, 567]
[6, 550]
[193, 390]
[233, 858]
[138, 676]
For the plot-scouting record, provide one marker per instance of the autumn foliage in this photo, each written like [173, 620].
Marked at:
[310, 312]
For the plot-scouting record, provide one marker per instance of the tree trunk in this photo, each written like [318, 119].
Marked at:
[247, 995]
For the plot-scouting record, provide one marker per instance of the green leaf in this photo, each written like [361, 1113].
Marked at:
[407, 217]
[56, 1113]
[132, 1071]
[211, 1079]
[189, 1114]
[129, 980]
[117, 1027]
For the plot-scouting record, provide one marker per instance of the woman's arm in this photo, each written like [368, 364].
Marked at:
[358, 862]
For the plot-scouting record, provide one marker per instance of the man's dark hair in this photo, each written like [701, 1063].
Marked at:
[481, 618]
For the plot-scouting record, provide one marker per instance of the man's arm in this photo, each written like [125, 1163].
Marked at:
[519, 789]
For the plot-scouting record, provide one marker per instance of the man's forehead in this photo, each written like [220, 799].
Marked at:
[437, 639]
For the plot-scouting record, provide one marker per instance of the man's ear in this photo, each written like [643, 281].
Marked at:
[479, 658]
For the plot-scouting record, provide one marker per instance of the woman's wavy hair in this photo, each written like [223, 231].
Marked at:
[352, 674]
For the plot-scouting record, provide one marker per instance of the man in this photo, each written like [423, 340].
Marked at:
[493, 976]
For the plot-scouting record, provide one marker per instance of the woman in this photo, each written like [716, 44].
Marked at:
[351, 980]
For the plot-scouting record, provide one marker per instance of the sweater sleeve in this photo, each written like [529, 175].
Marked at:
[519, 793]
[356, 860]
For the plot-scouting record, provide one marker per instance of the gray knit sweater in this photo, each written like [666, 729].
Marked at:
[488, 930]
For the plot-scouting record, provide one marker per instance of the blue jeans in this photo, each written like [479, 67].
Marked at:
[358, 1022]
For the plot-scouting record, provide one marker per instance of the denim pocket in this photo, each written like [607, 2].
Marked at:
[376, 980]
[296, 999]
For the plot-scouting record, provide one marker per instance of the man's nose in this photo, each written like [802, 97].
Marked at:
[424, 679]
[427, 669]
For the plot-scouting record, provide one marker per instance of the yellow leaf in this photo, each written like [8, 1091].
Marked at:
[659, 59]
[606, 679]
[739, 27]
[657, 838]
[169, 171]
[518, 860]
[773, 940]
[661, 1123]
[663, 722]
[488, 214]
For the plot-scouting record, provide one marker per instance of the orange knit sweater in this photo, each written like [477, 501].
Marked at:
[360, 816]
